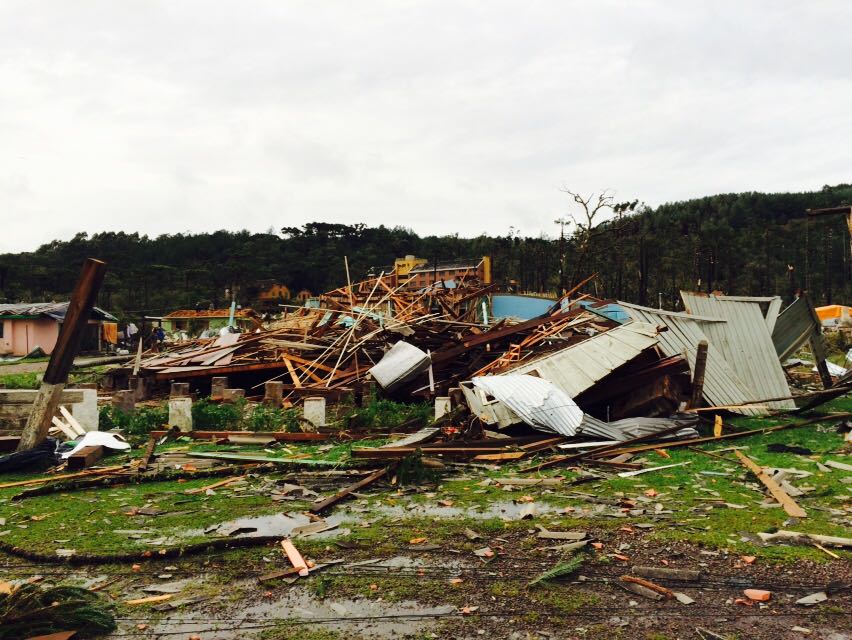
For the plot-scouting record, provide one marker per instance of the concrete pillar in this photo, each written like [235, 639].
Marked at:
[442, 406]
[314, 411]
[232, 395]
[138, 386]
[180, 413]
[86, 412]
[217, 387]
[124, 400]
[179, 390]
[274, 393]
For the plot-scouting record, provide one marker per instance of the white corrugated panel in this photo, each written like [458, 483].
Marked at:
[537, 402]
[722, 386]
[400, 363]
[746, 342]
[578, 367]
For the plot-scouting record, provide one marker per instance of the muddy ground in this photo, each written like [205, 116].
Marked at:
[456, 553]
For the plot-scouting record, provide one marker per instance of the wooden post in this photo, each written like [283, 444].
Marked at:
[67, 345]
[698, 374]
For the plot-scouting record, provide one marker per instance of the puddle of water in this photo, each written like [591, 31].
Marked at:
[374, 619]
[276, 524]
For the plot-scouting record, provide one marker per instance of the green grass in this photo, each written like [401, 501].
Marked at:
[21, 380]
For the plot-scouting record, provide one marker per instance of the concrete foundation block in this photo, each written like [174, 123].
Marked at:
[273, 394]
[314, 411]
[217, 387]
[86, 412]
[180, 413]
[124, 400]
[232, 395]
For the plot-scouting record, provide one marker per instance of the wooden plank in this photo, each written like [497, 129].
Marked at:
[322, 505]
[296, 381]
[280, 436]
[71, 421]
[149, 453]
[401, 452]
[85, 458]
[790, 505]
[215, 485]
[64, 476]
[28, 396]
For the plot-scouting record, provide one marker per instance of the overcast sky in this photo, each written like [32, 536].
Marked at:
[467, 117]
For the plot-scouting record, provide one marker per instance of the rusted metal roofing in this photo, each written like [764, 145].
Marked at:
[54, 310]
[578, 367]
[745, 340]
[208, 313]
[722, 385]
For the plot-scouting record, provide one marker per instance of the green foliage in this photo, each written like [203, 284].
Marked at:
[212, 416]
[837, 342]
[21, 380]
[262, 418]
[31, 610]
[238, 416]
[739, 243]
[562, 569]
[387, 414]
[139, 422]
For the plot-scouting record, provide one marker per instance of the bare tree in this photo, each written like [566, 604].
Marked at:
[585, 219]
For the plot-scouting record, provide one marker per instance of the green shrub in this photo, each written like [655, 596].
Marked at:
[262, 418]
[21, 380]
[139, 422]
[387, 414]
[211, 416]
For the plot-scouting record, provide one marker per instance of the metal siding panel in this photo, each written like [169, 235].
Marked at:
[578, 367]
[722, 386]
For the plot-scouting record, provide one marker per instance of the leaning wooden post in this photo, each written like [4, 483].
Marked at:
[698, 374]
[56, 374]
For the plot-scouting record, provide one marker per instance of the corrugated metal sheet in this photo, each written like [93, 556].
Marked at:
[400, 363]
[796, 324]
[745, 341]
[537, 402]
[722, 386]
[578, 367]
[630, 428]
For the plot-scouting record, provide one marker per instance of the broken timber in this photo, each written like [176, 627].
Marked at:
[790, 505]
[322, 505]
[62, 357]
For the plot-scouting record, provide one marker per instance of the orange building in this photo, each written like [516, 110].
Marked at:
[423, 274]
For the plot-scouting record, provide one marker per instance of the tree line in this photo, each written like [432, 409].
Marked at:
[742, 244]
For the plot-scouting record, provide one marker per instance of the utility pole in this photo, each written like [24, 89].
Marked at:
[561, 222]
[62, 357]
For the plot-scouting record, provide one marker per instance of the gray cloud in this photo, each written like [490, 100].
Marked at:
[467, 117]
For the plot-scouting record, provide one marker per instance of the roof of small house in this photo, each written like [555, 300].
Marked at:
[54, 310]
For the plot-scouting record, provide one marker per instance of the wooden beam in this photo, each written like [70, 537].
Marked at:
[67, 345]
[698, 374]
[280, 436]
[322, 505]
[85, 458]
[790, 505]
